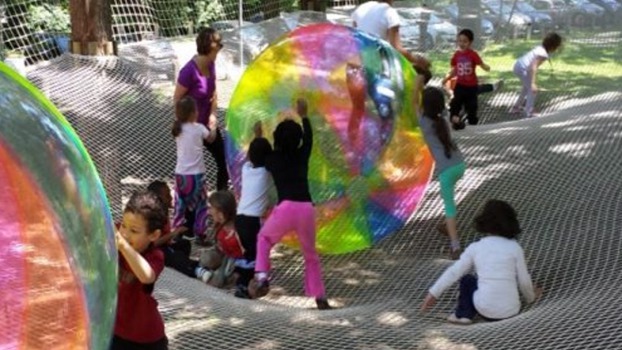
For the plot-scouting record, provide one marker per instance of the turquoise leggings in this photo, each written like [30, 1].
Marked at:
[448, 179]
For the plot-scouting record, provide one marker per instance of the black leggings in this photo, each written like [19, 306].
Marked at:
[177, 256]
[465, 96]
[122, 344]
[217, 149]
[248, 229]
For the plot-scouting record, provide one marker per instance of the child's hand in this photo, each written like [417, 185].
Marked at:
[428, 302]
[212, 122]
[121, 242]
[301, 107]
[534, 87]
[486, 67]
[257, 129]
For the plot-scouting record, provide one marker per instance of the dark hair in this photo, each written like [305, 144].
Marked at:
[552, 41]
[433, 101]
[148, 205]
[287, 137]
[427, 75]
[184, 110]
[258, 150]
[498, 218]
[468, 33]
[225, 202]
[158, 187]
[207, 41]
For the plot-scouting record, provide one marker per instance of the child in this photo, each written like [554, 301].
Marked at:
[176, 249]
[222, 209]
[449, 160]
[190, 169]
[463, 65]
[289, 165]
[499, 263]
[138, 324]
[525, 69]
[254, 202]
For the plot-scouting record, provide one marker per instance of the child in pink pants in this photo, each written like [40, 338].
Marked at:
[289, 166]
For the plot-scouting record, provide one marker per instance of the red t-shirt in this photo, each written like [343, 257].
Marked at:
[465, 62]
[138, 318]
[229, 243]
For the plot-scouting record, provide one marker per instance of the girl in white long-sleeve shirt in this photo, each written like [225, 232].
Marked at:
[499, 264]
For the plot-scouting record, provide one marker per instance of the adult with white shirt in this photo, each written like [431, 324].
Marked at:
[499, 263]
[379, 18]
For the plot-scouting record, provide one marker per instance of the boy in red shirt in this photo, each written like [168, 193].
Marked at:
[138, 323]
[463, 64]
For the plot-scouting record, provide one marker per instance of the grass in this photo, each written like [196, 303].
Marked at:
[586, 66]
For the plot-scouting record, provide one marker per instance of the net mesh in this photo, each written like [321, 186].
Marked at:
[558, 171]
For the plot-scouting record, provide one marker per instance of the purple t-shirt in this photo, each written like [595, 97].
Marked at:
[201, 88]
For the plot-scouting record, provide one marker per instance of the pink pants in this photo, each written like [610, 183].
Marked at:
[286, 217]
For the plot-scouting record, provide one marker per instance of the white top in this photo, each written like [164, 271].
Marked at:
[256, 184]
[501, 271]
[525, 61]
[376, 18]
[190, 149]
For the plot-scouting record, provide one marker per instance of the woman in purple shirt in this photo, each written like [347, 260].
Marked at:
[198, 79]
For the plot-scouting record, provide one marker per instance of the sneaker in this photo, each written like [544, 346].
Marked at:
[263, 288]
[241, 292]
[454, 254]
[322, 304]
[498, 85]
[458, 126]
[206, 276]
[459, 320]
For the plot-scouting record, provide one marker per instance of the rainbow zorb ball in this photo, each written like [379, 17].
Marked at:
[59, 260]
[370, 165]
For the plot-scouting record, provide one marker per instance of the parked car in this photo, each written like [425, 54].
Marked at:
[540, 20]
[557, 9]
[502, 14]
[443, 31]
[612, 9]
[452, 11]
[586, 14]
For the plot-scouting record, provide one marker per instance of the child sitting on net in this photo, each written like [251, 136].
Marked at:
[220, 260]
[500, 268]
[176, 249]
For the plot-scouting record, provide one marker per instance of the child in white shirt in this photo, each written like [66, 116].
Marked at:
[190, 194]
[253, 205]
[525, 69]
[499, 264]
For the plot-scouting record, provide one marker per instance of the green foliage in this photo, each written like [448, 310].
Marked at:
[174, 16]
[49, 18]
[207, 12]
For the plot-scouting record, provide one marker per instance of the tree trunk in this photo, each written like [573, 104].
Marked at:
[91, 27]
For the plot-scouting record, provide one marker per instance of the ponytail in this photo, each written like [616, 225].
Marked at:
[176, 131]
[433, 107]
[185, 110]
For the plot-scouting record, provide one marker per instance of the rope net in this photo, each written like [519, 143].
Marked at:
[558, 171]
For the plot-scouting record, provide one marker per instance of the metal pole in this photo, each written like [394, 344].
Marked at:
[241, 20]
